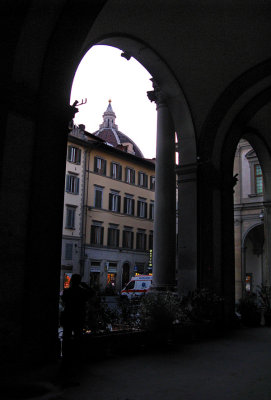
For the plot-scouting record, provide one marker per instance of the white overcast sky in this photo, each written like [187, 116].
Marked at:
[102, 75]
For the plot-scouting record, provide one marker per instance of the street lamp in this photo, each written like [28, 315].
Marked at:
[261, 215]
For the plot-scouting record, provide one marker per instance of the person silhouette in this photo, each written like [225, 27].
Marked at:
[74, 301]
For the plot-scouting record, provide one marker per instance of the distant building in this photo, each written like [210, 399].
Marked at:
[108, 207]
[250, 270]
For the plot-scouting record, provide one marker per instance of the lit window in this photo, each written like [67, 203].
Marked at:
[258, 179]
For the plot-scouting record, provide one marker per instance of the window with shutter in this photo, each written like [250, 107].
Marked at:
[70, 217]
[129, 206]
[98, 197]
[72, 184]
[114, 202]
[96, 235]
[141, 238]
[99, 165]
[152, 182]
[113, 237]
[141, 209]
[68, 251]
[127, 239]
[151, 211]
[74, 155]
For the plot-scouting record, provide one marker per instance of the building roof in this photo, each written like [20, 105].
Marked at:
[109, 132]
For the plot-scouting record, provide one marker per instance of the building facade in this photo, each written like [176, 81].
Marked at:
[250, 269]
[108, 207]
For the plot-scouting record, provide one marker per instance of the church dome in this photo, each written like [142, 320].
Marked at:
[109, 132]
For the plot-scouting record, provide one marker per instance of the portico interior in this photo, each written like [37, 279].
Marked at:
[210, 62]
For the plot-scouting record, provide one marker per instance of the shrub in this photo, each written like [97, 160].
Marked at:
[203, 305]
[158, 311]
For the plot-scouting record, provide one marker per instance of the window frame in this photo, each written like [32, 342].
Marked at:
[74, 154]
[141, 211]
[114, 202]
[102, 169]
[96, 190]
[72, 183]
[116, 232]
[94, 229]
[70, 217]
[131, 174]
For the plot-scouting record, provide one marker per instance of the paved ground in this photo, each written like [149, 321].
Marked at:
[233, 368]
[236, 367]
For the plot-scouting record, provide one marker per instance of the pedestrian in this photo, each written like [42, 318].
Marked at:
[74, 301]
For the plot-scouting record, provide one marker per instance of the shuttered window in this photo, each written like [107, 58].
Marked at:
[142, 179]
[151, 211]
[141, 209]
[116, 171]
[68, 251]
[130, 175]
[141, 239]
[152, 182]
[114, 202]
[127, 239]
[97, 235]
[100, 166]
[70, 217]
[113, 237]
[72, 184]
[98, 198]
[129, 206]
[74, 154]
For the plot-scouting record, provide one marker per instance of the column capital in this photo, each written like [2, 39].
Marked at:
[157, 95]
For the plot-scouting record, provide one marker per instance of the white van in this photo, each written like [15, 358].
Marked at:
[137, 286]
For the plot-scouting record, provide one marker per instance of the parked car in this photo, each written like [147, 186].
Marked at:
[137, 286]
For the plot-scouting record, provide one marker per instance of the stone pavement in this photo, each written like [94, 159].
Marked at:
[235, 367]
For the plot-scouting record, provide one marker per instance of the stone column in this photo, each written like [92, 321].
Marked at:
[164, 262]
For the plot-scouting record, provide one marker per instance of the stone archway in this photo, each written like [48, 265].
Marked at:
[173, 117]
[215, 171]
[253, 274]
